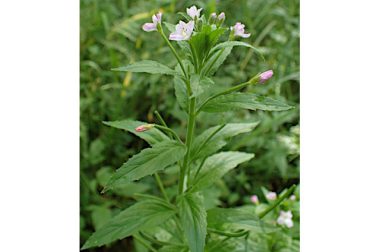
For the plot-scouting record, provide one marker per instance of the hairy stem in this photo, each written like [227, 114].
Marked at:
[189, 138]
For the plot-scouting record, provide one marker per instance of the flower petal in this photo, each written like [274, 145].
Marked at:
[245, 35]
[177, 37]
[148, 27]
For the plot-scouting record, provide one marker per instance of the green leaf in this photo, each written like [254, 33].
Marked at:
[217, 59]
[147, 162]
[152, 136]
[142, 215]
[202, 149]
[199, 84]
[181, 93]
[216, 166]
[204, 40]
[245, 101]
[237, 218]
[100, 215]
[147, 66]
[193, 217]
[232, 44]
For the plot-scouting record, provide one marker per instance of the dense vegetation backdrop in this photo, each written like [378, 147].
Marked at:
[111, 36]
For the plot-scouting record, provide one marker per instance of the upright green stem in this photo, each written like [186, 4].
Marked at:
[189, 138]
[159, 27]
[191, 121]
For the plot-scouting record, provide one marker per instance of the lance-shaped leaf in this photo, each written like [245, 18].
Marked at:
[232, 44]
[152, 136]
[147, 162]
[216, 166]
[244, 101]
[210, 142]
[147, 66]
[214, 62]
[237, 218]
[194, 221]
[142, 215]
[181, 93]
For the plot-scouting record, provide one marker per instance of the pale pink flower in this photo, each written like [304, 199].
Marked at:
[285, 219]
[255, 199]
[144, 127]
[148, 27]
[266, 76]
[182, 31]
[271, 196]
[238, 30]
[213, 15]
[193, 12]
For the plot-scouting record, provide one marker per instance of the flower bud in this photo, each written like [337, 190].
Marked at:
[193, 12]
[221, 16]
[144, 127]
[255, 199]
[293, 197]
[213, 15]
[266, 76]
[271, 196]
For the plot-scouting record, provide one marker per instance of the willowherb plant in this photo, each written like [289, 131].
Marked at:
[183, 220]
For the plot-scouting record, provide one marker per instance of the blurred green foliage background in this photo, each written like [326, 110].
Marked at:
[111, 36]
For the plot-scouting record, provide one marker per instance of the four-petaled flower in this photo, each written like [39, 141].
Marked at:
[193, 12]
[182, 31]
[238, 30]
[148, 27]
[285, 218]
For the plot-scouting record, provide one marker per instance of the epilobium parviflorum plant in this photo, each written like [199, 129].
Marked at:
[200, 44]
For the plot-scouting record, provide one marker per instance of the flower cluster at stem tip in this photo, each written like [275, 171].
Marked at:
[183, 31]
